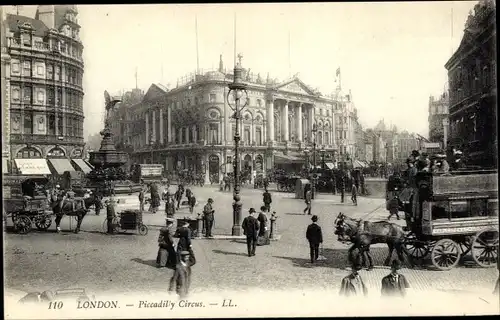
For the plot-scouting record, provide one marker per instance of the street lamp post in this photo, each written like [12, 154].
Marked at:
[238, 88]
[313, 189]
[151, 145]
[306, 152]
[322, 151]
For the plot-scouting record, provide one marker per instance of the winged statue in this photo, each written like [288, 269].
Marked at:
[109, 102]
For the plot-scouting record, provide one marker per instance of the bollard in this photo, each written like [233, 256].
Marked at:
[199, 229]
[274, 229]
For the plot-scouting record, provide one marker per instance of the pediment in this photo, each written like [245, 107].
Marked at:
[153, 93]
[295, 86]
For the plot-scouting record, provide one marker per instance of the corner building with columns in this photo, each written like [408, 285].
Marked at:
[192, 126]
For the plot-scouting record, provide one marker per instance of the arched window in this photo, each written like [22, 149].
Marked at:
[28, 153]
[56, 153]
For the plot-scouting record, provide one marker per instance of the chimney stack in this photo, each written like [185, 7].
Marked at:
[46, 14]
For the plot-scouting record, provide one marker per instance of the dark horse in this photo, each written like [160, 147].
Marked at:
[77, 207]
[365, 233]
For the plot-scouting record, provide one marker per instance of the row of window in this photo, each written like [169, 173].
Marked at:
[439, 109]
[32, 125]
[74, 50]
[50, 96]
[47, 71]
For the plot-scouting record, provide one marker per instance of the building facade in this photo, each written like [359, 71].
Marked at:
[473, 93]
[42, 93]
[192, 126]
[438, 115]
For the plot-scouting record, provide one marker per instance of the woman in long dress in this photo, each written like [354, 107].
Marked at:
[166, 252]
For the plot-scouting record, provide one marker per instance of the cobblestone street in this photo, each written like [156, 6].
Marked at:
[125, 262]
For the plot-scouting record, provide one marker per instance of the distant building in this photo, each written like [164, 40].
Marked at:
[473, 93]
[191, 126]
[438, 113]
[42, 93]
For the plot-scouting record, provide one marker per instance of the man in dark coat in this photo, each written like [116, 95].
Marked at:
[188, 193]
[178, 195]
[170, 207]
[98, 204]
[354, 194]
[181, 280]
[315, 238]
[191, 202]
[267, 199]
[342, 188]
[308, 199]
[166, 252]
[393, 207]
[208, 217]
[184, 243]
[332, 185]
[394, 284]
[110, 214]
[353, 285]
[250, 228]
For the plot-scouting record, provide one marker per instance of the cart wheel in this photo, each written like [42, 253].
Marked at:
[445, 254]
[415, 248]
[465, 246]
[143, 229]
[115, 222]
[23, 224]
[43, 223]
[485, 248]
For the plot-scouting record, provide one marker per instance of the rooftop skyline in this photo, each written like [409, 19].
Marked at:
[391, 55]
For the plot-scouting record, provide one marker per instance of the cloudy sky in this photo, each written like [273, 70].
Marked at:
[391, 55]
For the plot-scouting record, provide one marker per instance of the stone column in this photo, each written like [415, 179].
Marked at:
[147, 127]
[195, 138]
[187, 135]
[153, 124]
[298, 121]
[333, 129]
[446, 123]
[285, 122]
[161, 125]
[169, 123]
[227, 124]
[270, 120]
[311, 121]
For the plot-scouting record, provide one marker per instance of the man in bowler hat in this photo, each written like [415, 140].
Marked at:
[250, 228]
[353, 285]
[181, 280]
[315, 238]
[394, 284]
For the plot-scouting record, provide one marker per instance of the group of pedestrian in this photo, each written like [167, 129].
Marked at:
[179, 257]
[393, 285]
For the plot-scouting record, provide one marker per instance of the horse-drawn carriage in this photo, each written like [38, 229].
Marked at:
[286, 183]
[447, 216]
[127, 220]
[26, 203]
[451, 215]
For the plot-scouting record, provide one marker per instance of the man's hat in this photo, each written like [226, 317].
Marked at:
[396, 264]
[314, 218]
[185, 253]
[357, 266]
[170, 220]
[252, 210]
[185, 224]
[58, 186]
[210, 200]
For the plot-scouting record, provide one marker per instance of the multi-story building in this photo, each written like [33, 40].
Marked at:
[192, 126]
[473, 93]
[438, 116]
[42, 94]
[406, 142]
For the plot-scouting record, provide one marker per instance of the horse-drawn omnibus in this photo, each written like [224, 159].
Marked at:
[451, 215]
[26, 203]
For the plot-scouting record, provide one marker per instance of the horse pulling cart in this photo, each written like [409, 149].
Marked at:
[27, 205]
[287, 183]
[127, 220]
[449, 216]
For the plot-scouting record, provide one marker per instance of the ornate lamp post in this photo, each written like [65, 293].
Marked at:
[306, 152]
[151, 143]
[238, 88]
[314, 131]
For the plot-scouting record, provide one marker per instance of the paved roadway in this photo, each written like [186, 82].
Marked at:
[125, 262]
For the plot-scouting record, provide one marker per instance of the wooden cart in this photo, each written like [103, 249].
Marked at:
[452, 215]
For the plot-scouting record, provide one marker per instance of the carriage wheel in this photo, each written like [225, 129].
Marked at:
[485, 248]
[43, 223]
[143, 229]
[415, 248]
[23, 224]
[115, 222]
[445, 254]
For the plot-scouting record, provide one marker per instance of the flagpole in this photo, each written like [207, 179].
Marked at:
[289, 56]
[197, 52]
[234, 38]
[451, 31]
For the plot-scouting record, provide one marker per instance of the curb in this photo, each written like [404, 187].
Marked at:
[228, 237]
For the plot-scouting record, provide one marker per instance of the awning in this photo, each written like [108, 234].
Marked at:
[330, 165]
[358, 164]
[32, 166]
[59, 166]
[81, 165]
[89, 164]
[283, 158]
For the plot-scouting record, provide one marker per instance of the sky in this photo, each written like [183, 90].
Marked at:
[391, 54]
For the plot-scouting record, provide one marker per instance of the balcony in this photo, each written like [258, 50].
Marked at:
[46, 139]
